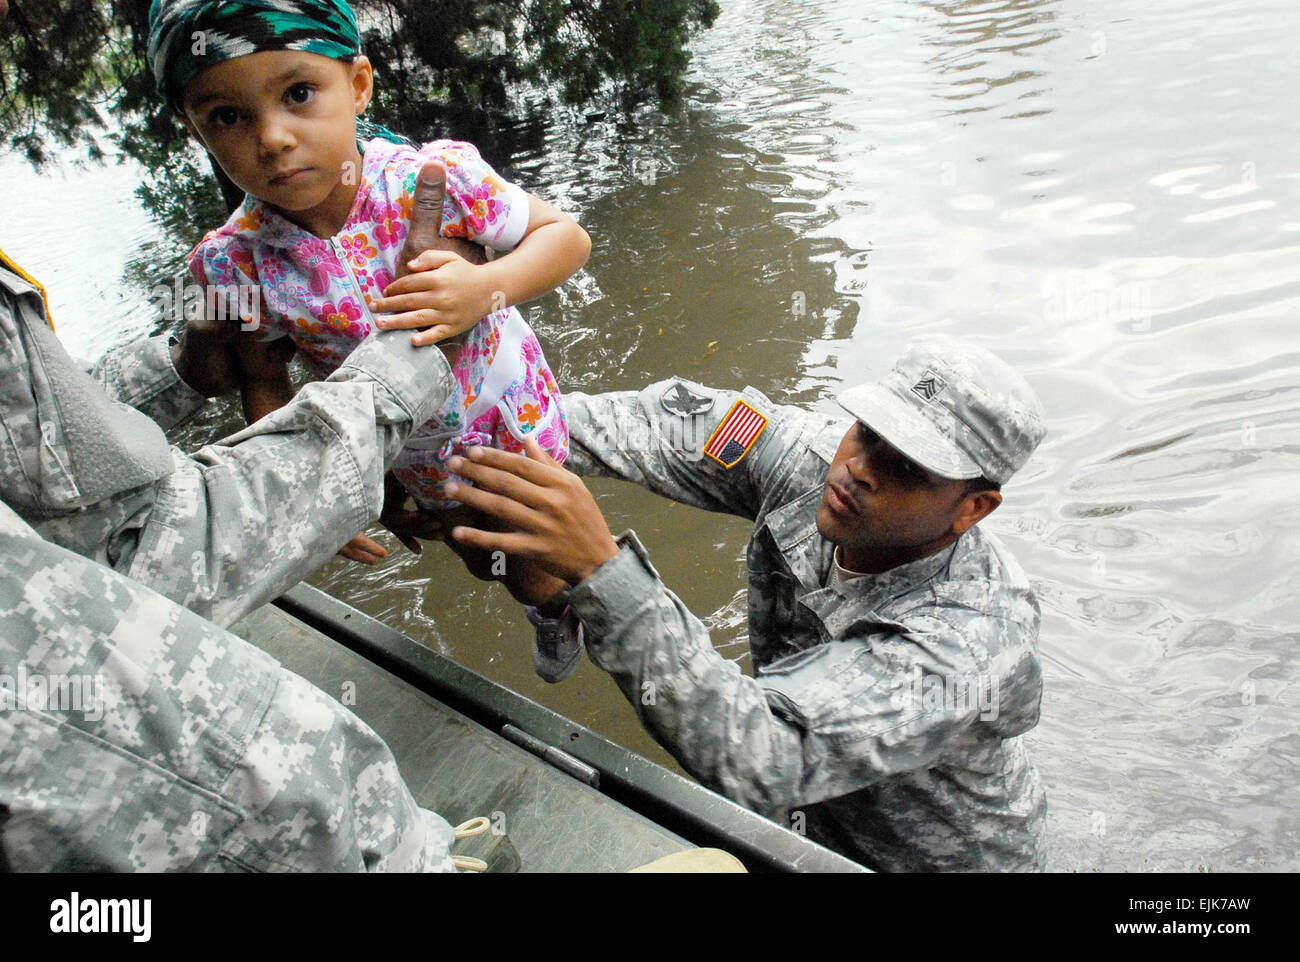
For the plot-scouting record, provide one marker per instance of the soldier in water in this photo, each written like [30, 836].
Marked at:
[895, 643]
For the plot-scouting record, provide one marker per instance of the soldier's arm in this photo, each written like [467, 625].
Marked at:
[168, 378]
[714, 449]
[819, 724]
[191, 750]
[144, 375]
[240, 521]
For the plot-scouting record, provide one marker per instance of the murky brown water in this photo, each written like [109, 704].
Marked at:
[1105, 193]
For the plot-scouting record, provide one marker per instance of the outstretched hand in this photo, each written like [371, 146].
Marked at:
[438, 286]
[553, 518]
[207, 352]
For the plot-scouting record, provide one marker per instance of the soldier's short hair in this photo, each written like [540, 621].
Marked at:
[976, 485]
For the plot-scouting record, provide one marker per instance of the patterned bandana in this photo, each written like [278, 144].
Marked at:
[187, 37]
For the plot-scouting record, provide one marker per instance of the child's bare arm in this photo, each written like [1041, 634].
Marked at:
[554, 248]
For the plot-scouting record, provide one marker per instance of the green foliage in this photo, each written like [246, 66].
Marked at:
[582, 43]
[72, 72]
[48, 95]
[73, 75]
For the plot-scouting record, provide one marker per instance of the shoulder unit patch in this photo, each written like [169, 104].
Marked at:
[680, 400]
[735, 435]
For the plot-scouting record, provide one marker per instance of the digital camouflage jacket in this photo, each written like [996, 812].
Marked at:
[884, 714]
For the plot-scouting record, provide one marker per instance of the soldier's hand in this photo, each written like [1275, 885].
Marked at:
[204, 354]
[554, 519]
[424, 233]
[209, 355]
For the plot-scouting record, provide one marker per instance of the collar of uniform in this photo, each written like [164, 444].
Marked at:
[827, 440]
[793, 526]
[855, 605]
[22, 284]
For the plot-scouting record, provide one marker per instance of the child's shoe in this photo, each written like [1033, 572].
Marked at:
[557, 644]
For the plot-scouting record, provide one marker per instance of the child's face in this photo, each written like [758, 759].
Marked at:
[282, 124]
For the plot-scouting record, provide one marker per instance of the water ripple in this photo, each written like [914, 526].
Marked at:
[1106, 193]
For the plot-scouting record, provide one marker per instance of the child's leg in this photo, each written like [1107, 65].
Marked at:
[527, 582]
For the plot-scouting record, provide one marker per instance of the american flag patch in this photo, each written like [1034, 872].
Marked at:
[735, 435]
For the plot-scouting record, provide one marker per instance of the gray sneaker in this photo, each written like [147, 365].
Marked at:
[557, 644]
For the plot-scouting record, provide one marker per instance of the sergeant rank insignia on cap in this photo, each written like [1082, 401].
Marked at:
[735, 435]
[929, 387]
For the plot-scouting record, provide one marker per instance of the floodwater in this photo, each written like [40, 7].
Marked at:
[1105, 193]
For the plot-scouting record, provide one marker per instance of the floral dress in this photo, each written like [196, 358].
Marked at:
[319, 291]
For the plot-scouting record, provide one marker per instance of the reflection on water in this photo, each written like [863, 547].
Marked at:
[77, 228]
[1105, 194]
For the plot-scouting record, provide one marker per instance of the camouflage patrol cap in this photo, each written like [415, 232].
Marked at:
[953, 408]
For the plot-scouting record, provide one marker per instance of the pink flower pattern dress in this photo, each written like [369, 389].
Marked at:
[319, 291]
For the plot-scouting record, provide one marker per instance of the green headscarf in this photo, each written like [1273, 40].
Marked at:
[187, 37]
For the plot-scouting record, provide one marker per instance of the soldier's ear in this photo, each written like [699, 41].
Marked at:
[974, 508]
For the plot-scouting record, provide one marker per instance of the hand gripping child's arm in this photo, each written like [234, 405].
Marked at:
[233, 347]
[262, 368]
[448, 295]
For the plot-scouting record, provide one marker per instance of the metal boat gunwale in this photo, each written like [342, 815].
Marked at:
[678, 804]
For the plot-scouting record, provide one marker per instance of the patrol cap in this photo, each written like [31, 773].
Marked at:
[953, 408]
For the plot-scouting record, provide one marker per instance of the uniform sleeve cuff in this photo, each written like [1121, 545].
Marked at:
[601, 602]
[157, 355]
[143, 376]
[407, 371]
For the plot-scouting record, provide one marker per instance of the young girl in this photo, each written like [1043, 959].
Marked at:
[273, 89]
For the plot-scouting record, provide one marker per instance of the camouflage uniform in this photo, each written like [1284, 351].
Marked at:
[191, 750]
[845, 730]
[226, 529]
[173, 744]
